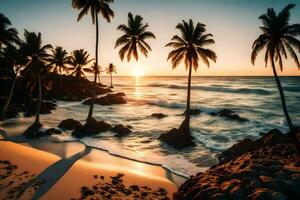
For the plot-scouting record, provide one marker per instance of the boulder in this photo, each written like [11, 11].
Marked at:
[109, 99]
[159, 115]
[70, 124]
[121, 130]
[33, 131]
[178, 138]
[230, 115]
[91, 127]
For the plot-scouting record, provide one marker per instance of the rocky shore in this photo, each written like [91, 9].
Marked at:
[267, 168]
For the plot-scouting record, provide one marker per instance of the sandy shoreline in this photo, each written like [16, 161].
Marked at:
[63, 177]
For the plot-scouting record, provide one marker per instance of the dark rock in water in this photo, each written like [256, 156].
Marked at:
[10, 113]
[229, 114]
[53, 131]
[193, 112]
[46, 108]
[109, 99]
[121, 130]
[159, 115]
[92, 127]
[178, 138]
[70, 124]
[121, 94]
[271, 138]
[33, 131]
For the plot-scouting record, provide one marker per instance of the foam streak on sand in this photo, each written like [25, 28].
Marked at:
[56, 175]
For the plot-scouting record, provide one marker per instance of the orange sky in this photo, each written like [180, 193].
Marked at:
[234, 24]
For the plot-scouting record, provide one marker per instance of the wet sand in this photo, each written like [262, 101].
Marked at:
[74, 171]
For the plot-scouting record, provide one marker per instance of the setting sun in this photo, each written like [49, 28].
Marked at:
[138, 72]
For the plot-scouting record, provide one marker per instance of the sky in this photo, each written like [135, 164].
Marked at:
[233, 23]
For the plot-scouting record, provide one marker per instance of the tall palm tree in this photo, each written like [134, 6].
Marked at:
[135, 34]
[37, 57]
[78, 61]
[8, 35]
[110, 70]
[278, 38]
[93, 69]
[12, 61]
[58, 60]
[190, 48]
[94, 7]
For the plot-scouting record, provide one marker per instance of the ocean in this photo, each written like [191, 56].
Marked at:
[254, 98]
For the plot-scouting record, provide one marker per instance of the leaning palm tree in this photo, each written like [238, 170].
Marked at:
[12, 62]
[58, 60]
[190, 48]
[278, 38]
[37, 57]
[110, 70]
[135, 34]
[78, 61]
[8, 35]
[94, 7]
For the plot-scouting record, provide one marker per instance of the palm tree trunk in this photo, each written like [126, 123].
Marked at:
[185, 126]
[60, 76]
[288, 119]
[111, 84]
[39, 104]
[90, 115]
[9, 97]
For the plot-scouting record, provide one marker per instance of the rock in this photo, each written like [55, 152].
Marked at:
[46, 108]
[91, 127]
[33, 131]
[261, 194]
[121, 94]
[193, 112]
[279, 196]
[70, 124]
[10, 113]
[121, 130]
[53, 131]
[237, 193]
[229, 114]
[159, 115]
[109, 99]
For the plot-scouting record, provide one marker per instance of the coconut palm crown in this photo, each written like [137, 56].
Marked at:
[78, 61]
[8, 36]
[133, 39]
[278, 39]
[58, 60]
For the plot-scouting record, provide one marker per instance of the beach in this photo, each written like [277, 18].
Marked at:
[80, 168]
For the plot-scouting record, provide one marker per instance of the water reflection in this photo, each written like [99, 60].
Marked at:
[137, 91]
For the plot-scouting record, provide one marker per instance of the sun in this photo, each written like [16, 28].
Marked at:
[138, 72]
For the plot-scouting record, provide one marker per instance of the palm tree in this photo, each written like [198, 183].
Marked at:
[37, 57]
[78, 61]
[110, 70]
[93, 69]
[58, 60]
[278, 37]
[135, 34]
[12, 62]
[7, 35]
[94, 7]
[190, 48]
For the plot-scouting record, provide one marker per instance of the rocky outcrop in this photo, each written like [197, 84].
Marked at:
[178, 138]
[91, 127]
[159, 115]
[33, 131]
[121, 130]
[53, 131]
[193, 112]
[230, 115]
[109, 99]
[267, 168]
[70, 124]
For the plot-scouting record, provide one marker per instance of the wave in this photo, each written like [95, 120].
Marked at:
[215, 88]
[165, 103]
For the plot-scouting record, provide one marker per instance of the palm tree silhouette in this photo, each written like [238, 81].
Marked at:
[12, 62]
[110, 70]
[93, 69]
[94, 7]
[278, 37]
[8, 36]
[58, 60]
[135, 34]
[78, 61]
[37, 57]
[190, 48]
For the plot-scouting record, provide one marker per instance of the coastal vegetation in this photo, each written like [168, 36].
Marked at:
[111, 69]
